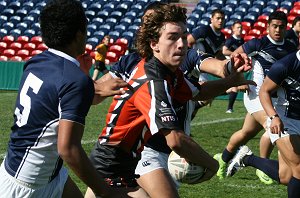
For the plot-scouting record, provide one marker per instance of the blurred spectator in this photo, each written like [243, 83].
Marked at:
[293, 33]
[100, 56]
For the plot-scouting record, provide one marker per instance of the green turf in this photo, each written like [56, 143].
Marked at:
[209, 128]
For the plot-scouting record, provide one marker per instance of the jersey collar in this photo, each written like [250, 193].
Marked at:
[275, 42]
[64, 55]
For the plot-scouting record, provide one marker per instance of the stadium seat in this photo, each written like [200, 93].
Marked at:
[30, 33]
[42, 47]
[3, 19]
[114, 35]
[28, 5]
[226, 31]
[260, 3]
[8, 12]
[36, 40]
[8, 26]
[99, 34]
[291, 18]
[3, 32]
[250, 17]
[96, 7]
[117, 49]
[3, 5]
[15, 33]
[123, 7]
[296, 4]
[21, 13]
[15, 46]
[90, 14]
[295, 11]
[22, 26]
[29, 20]
[268, 10]
[88, 48]
[23, 39]
[103, 14]
[29, 46]
[255, 32]
[97, 21]
[8, 53]
[285, 10]
[8, 39]
[3, 46]
[274, 3]
[117, 15]
[122, 42]
[93, 41]
[15, 5]
[240, 9]
[35, 52]
[34, 13]
[3, 58]
[112, 57]
[23, 53]
[248, 38]
[120, 28]
[16, 58]
[260, 26]
[15, 19]
[246, 25]
[36, 27]
[27, 58]
[263, 18]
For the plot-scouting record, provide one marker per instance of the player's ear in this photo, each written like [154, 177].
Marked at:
[154, 46]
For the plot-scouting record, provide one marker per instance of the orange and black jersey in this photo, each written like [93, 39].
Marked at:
[139, 113]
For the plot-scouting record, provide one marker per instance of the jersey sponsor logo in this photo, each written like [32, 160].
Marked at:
[168, 118]
[146, 163]
[163, 104]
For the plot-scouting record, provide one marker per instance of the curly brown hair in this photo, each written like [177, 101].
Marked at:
[151, 27]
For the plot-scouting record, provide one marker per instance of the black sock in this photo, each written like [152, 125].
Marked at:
[294, 188]
[227, 156]
[232, 98]
[268, 166]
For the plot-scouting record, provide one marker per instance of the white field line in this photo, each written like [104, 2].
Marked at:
[193, 124]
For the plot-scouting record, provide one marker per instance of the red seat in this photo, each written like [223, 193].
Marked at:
[23, 53]
[117, 49]
[295, 11]
[227, 32]
[35, 52]
[283, 10]
[9, 53]
[29, 46]
[23, 39]
[42, 47]
[36, 40]
[15, 46]
[260, 25]
[248, 37]
[291, 18]
[122, 42]
[3, 46]
[92, 54]
[27, 58]
[112, 57]
[289, 26]
[263, 18]
[3, 58]
[16, 58]
[246, 26]
[254, 32]
[296, 4]
[8, 39]
[88, 48]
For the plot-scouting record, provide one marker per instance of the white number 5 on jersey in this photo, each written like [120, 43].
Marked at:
[35, 83]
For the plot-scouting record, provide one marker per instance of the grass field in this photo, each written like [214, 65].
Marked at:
[211, 128]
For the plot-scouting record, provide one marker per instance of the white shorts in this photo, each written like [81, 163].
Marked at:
[152, 160]
[13, 188]
[291, 127]
[252, 102]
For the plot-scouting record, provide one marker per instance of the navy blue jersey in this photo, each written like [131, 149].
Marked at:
[292, 37]
[208, 40]
[286, 73]
[52, 88]
[232, 43]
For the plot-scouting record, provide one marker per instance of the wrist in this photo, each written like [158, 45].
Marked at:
[229, 67]
[274, 116]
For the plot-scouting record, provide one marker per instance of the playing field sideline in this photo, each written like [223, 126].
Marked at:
[211, 128]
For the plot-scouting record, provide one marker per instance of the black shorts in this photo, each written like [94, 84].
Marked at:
[114, 164]
[100, 66]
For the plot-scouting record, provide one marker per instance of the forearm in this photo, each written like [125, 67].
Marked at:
[266, 101]
[76, 158]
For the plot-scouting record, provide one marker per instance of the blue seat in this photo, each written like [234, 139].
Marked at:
[217, 2]
[109, 5]
[3, 32]
[228, 9]
[103, 14]
[212, 8]
[207, 2]
[90, 14]
[3, 19]
[96, 7]
[137, 21]
[204, 21]
[15, 5]
[235, 2]
[254, 9]
[129, 36]
[236, 17]
[114, 35]
[250, 17]
[105, 28]
[286, 3]
[28, 5]
[246, 3]
[15, 19]
[274, 3]
[8, 26]
[15, 33]
[120, 28]
[268, 10]
[34, 13]
[30, 33]
[99, 34]
[94, 41]
[22, 26]
[229, 23]
[29, 20]
[131, 14]
[97, 21]
[241, 9]
[133, 28]
[116, 14]
[21, 12]
[123, 7]
[92, 28]
[40, 5]
[261, 3]
[8, 12]
[3, 5]
[36, 26]
[201, 7]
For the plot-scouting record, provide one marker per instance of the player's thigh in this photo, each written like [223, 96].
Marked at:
[251, 126]
[71, 190]
[158, 184]
[260, 117]
[289, 148]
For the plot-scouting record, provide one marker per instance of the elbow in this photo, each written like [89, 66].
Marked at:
[175, 140]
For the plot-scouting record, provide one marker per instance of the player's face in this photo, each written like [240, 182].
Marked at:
[106, 41]
[297, 26]
[277, 30]
[171, 47]
[237, 29]
[217, 21]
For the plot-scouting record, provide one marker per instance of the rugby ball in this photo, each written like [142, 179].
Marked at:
[183, 171]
